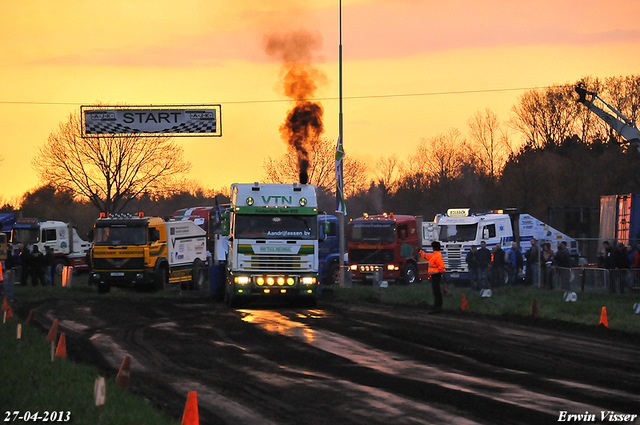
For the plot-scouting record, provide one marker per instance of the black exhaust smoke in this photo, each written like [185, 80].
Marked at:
[303, 126]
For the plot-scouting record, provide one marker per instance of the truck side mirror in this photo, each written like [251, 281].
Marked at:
[326, 227]
[225, 225]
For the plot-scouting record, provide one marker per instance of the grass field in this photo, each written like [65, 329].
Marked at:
[517, 300]
[29, 381]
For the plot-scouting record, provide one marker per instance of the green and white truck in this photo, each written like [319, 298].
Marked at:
[273, 243]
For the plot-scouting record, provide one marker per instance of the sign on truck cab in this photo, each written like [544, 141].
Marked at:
[273, 251]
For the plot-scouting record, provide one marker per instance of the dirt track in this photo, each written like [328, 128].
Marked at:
[352, 363]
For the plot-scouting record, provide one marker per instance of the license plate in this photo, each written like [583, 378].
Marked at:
[117, 274]
[455, 274]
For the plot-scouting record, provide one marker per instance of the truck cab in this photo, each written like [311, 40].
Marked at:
[388, 243]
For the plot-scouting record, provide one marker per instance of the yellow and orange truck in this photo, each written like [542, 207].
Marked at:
[147, 253]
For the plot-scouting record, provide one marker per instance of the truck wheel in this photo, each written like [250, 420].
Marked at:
[410, 274]
[231, 301]
[103, 288]
[199, 276]
[58, 265]
[161, 279]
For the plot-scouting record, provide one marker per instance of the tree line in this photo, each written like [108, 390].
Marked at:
[551, 151]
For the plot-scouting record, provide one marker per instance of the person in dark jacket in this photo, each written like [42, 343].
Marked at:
[25, 257]
[497, 266]
[36, 264]
[48, 263]
[483, 258]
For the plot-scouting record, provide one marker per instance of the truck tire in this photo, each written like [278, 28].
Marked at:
[410, 274]
[161, 279]
[58, 265]
[198, 276]
[231, 301]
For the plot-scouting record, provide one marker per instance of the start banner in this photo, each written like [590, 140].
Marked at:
[187, 120]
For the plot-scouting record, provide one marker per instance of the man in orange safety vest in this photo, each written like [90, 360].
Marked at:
[436, 270]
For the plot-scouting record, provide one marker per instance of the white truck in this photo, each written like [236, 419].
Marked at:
[68, 248]
[147, 253]
[273, 250]
[460, 229]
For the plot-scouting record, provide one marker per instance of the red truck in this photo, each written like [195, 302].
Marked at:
[389, 243]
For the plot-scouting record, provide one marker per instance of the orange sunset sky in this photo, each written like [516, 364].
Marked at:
[412, 69]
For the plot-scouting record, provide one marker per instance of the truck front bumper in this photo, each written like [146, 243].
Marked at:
[121, 278]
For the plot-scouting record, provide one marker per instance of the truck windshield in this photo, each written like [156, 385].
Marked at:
[372, 231]
[28, 236]
[458, 232]
[276, 227]
[120, 235]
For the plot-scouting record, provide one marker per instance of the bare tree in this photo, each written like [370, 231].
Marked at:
[321, 169]
[491, 145]
[108, 171]
[387, 172]
[545, 117]
[440, 157]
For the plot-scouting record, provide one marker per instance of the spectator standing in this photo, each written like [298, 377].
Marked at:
[25, 257]
[48, 263]
[635, 261]
[497, 265]
[483, 257]
[533, 263]
[513, 265]
[36, 263]
[546, 265]
[472, 263]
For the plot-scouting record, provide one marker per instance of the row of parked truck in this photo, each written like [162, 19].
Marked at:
[279, 244]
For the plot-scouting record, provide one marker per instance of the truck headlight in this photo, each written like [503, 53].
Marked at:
[308, 280]
[242, 280]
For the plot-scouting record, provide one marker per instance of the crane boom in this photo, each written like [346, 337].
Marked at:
[621, 124]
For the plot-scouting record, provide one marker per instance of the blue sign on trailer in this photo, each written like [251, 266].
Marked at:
[7, 221]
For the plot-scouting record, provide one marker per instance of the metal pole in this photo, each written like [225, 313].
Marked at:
[341, 214]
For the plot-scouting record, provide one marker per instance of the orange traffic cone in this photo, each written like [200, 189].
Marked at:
[9, 313]
[30, 317]
[5, 304]
[61, 351]
[190, 415]
[603, 317]
[534, 308]
[52, 336]
[123, 374]
[465, 305]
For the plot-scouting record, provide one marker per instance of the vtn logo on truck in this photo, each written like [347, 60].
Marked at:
[279, 200]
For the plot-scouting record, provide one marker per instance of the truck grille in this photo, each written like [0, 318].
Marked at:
[118, 263]
[371, 256]
[280, 263]
[453, 260]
